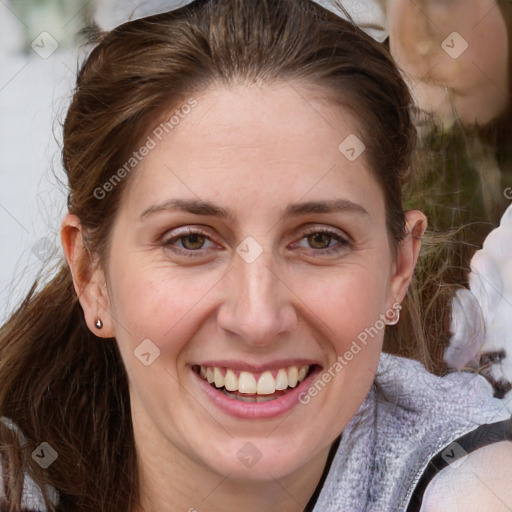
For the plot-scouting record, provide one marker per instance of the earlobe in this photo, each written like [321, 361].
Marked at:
[407, 254]
[88, 278]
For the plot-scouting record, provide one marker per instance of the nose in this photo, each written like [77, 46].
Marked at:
[501, 388]
[258, 305]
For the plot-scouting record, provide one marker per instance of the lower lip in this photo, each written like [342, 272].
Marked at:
[257, 411]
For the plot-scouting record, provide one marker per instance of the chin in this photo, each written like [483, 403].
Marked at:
[260, 459]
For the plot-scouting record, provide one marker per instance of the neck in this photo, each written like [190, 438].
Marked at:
[219, 493]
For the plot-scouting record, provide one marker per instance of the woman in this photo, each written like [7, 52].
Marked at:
[235, 248]
[461, 179]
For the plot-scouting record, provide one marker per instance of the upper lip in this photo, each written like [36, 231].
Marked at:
[244, 366]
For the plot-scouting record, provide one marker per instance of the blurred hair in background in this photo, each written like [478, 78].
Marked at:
[456, 58]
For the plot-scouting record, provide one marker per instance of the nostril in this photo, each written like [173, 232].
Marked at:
[501, 388]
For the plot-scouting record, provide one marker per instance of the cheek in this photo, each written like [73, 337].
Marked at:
[158, 304]
[347, 302]
[347, 307]
[351, 315]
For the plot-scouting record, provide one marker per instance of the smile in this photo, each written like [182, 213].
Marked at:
[254, 387]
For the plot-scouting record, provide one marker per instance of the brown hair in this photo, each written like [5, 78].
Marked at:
[61, 384]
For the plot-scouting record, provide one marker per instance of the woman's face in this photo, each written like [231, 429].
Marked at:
[250, 246]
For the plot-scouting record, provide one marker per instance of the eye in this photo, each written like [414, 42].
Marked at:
[323, 241]
[320, 240]
[188, 240]
[193, 242]
[490, 358]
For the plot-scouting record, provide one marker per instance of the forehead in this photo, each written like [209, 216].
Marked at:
[284, 141]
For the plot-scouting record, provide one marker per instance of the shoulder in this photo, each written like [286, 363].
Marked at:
[421, 415]
[481, 482]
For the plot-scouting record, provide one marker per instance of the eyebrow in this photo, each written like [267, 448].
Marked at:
[198, 207]
[194, 206]
[332, 206]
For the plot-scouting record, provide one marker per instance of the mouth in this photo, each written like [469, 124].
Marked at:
[249, 387]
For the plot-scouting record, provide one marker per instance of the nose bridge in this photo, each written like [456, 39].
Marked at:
[260, 287]
[257, 306]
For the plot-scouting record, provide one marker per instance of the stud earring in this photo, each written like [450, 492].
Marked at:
[397, 308]
[98, 324]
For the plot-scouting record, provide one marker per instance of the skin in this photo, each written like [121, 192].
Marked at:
[254, 150]
[480, 484]
[471, 86]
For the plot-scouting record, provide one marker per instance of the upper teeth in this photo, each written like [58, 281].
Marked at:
[248, 383]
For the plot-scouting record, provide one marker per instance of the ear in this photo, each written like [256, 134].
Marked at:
[407, 255]
[88, 277]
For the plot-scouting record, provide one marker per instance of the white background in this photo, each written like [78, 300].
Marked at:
[34, 94]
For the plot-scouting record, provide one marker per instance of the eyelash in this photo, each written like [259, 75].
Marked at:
[342, 242]
[186, 252]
